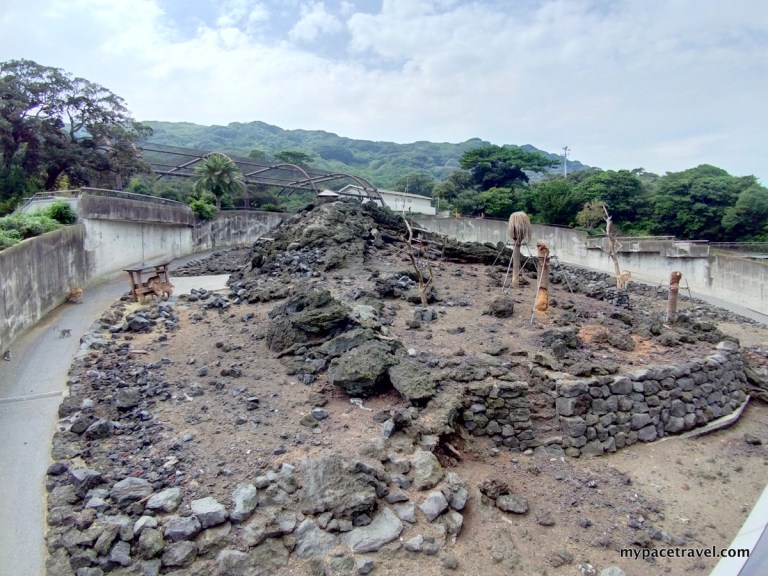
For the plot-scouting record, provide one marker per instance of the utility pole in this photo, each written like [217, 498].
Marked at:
[565, 161]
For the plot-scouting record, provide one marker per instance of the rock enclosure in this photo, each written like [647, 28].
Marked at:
[316, 419]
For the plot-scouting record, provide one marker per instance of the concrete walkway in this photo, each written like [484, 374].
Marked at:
[31, 388]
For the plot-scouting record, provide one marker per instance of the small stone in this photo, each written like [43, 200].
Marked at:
[752, 439]
[414, 544]
[179, 554]
[448, 560]
[165, 501]
[121, 554]
[365, 565]
[209, 511]
[512, 503]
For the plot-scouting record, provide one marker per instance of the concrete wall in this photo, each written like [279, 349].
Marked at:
[35, 278]
[729, 278]
[36, 275]
[233, 228]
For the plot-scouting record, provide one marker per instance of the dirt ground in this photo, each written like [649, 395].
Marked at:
[695, 493]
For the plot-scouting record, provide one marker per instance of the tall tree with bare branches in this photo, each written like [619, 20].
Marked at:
[519, 231]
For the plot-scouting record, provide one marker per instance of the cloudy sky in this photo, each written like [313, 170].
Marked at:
[660, 84]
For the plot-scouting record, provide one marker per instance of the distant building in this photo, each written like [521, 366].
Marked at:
[396, 201]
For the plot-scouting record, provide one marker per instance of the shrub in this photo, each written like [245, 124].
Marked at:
[61, 212]
[270, 208]
[202, 209]
[29, 225]
[7, 240]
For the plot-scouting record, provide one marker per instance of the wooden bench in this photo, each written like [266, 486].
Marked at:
[140, 285]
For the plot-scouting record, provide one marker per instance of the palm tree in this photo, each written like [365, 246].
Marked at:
[219, 175]
[519, 230]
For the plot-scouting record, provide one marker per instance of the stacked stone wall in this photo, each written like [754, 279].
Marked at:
[606, 413]
[500, 411]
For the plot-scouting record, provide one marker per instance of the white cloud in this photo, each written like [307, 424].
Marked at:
[663, 84]
[315, 22]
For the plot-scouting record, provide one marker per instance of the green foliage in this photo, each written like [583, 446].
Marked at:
[202, 208]
[56, 130]
[219, 175]
[621, 192]
[692, 204]
[748, 218]
[61, 212]
[416, 183]
[501, 166]
[270, 208]
[23, 225]
[8, 238]
[591, 216]
[381, 163]
[498, 202]
[450, 188]
[555, 201]
[296, 157]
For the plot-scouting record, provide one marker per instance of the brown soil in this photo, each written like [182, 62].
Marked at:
[698, 492]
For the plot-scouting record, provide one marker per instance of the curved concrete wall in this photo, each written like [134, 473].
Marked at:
[730, 278]
[35, 278]
[36, 275]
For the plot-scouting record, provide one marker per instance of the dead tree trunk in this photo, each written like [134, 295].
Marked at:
[425, 279]
[674, 288]
[613, 246]
[542, 295]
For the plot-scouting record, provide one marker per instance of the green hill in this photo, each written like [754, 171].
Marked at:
[381, 163]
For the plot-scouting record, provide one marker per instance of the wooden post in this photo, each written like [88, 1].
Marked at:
[674, 288]
[542, 296]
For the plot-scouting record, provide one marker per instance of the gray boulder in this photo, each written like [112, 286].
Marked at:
[244, 498]
[364, 370]
[129, 490]
[427, 471]
[312, 542]
[386, 526]
[329, 485]
[209, 511]
[165, 501]
[512, 503]
[414, 381]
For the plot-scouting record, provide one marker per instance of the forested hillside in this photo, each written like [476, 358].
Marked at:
[381, 163]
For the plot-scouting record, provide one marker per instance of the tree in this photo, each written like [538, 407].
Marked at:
[692, 204]
[620, 191]
[502, 166]
[416, 183]
[450, 188]
[748, 218]
[554, 201]
[497, 202]
[52, 125]
[219, 175]
[295, 157]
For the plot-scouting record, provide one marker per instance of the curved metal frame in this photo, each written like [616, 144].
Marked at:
[264, 175]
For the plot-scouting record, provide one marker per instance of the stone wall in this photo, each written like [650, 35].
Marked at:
[591, 416]
[501, 411]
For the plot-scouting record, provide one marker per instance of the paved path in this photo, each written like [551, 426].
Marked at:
[31, 387]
